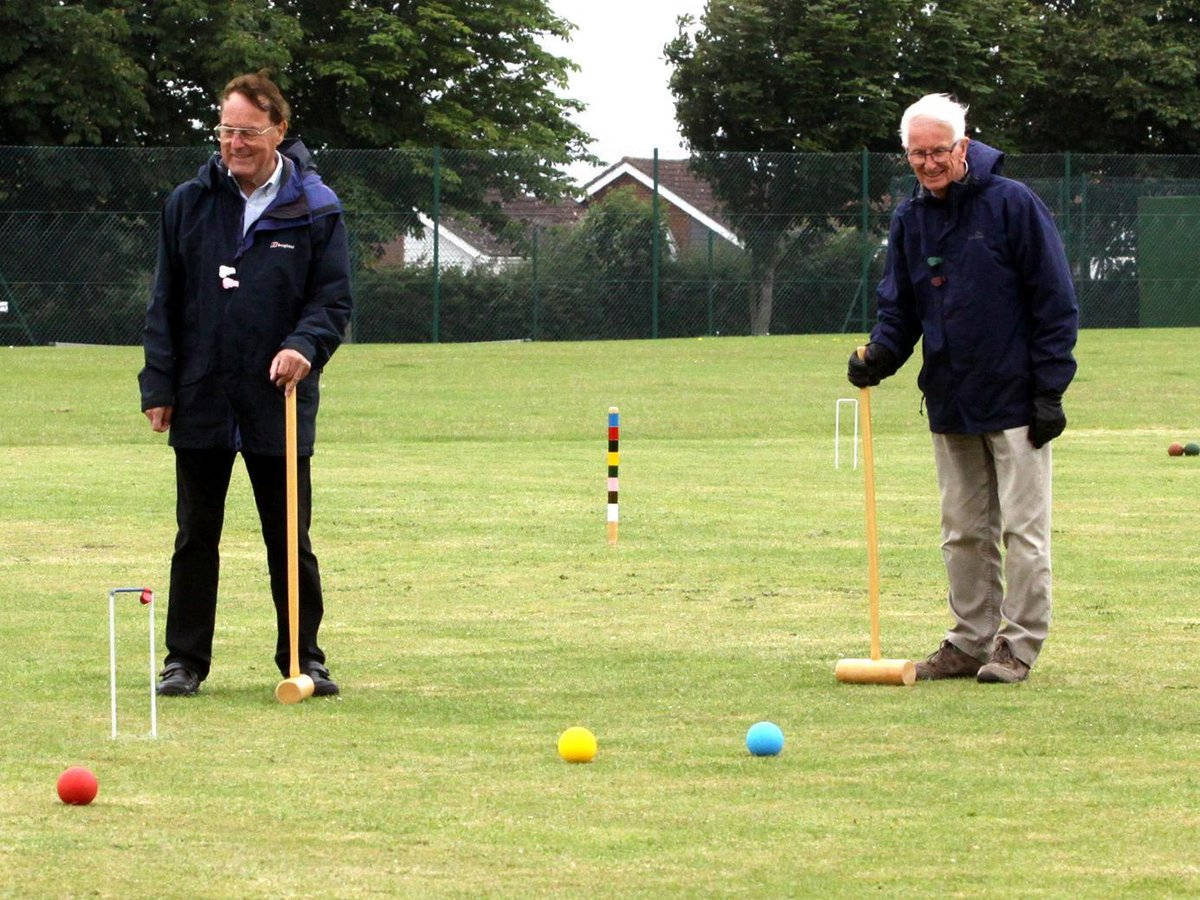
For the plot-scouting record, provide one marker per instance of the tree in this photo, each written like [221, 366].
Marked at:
[1121, 77]
[467, 76]
[762, 80]
[66, 76]
[600, 269]
[190, 48]
[758, 80]
[471, 78]
[989, 53]
[368, 74]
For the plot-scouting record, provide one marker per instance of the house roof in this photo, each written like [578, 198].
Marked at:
[677, 184]
[476, 239]
[539, 212]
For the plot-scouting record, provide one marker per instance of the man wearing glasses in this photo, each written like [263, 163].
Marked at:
[976, 271]
[251, 298]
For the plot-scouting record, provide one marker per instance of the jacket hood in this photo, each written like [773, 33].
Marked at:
[983, 161]
[294, 149]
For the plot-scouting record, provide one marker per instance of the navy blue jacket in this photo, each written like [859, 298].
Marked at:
[209, 344]
[981, 278]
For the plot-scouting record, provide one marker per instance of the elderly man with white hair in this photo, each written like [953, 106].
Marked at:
[976, 271]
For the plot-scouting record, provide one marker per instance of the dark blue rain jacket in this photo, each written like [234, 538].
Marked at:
[981, 278]
[209, 337]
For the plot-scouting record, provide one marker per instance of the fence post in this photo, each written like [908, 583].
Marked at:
[355, 257]
[1081, 244]
[1068, 237]
[864, 274]
[537, 299]
[711, 282]
[435, 330]
[654, 252]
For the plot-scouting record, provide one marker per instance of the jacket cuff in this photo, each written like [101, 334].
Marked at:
[156, 390]
[303, 347]
[156, 402]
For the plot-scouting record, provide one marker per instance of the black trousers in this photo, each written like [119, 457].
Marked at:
[201, 484]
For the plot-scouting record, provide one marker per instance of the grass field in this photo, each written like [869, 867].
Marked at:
[474, 611]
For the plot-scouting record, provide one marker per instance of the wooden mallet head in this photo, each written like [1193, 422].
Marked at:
[294, 689]
[876, 671]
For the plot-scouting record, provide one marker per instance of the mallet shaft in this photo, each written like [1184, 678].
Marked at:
[293, 540]
[872, 531]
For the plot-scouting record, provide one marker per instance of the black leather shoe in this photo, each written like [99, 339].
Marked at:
[323, 685]
[177, 680]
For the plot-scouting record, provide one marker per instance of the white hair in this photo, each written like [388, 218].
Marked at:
[938, 108]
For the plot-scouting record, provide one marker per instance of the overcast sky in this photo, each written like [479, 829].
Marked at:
[622, 77]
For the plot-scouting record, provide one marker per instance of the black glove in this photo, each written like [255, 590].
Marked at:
[1049, 420]
[880, 362]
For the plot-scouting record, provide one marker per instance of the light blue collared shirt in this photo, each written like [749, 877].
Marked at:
[262, 197]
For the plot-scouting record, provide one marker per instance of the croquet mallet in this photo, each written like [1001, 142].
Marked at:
[295, 687]
[874, 670]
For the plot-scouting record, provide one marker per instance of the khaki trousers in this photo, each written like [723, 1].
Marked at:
[996, 493]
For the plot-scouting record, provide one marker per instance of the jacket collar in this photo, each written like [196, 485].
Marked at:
[296, 161]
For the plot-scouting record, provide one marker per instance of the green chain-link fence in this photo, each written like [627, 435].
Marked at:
[718, 244]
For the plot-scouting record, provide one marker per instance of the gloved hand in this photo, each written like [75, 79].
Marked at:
[880, 362]
[1049, 420]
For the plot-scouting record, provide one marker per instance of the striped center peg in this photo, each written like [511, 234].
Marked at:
[614, 461]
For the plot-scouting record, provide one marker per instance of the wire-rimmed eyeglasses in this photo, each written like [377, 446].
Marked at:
[229, 132]
[937, 154]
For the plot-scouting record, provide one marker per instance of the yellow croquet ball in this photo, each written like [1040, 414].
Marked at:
[577, 745]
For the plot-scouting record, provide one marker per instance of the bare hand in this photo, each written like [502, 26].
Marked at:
[288, 369]
[160, 417]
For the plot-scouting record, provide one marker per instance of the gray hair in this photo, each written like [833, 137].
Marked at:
[938, 108]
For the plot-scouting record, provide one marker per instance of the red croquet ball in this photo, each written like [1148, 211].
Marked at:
[77, 786]
[1176, 449]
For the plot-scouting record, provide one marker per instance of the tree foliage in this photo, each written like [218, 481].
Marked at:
[1122, 77]
[392, 80]
[758, 80]
[1046, 76]
[369, 74]
[66, 76]
[609, 255]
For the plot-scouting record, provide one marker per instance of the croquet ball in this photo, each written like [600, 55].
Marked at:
[77, 786]
[577, 745]
[1191, 449]
[764, 739]
[1176, 449]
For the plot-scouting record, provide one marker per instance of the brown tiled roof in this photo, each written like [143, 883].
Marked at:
[535, 211]
[527, 210]
[676, 176]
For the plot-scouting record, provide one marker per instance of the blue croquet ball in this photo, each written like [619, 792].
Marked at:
[764, 739]
[1191, 449]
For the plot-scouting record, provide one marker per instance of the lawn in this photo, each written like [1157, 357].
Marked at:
[474, 610]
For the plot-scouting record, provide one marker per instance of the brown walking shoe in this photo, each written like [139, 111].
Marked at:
[1003, 667]
[947, 662]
